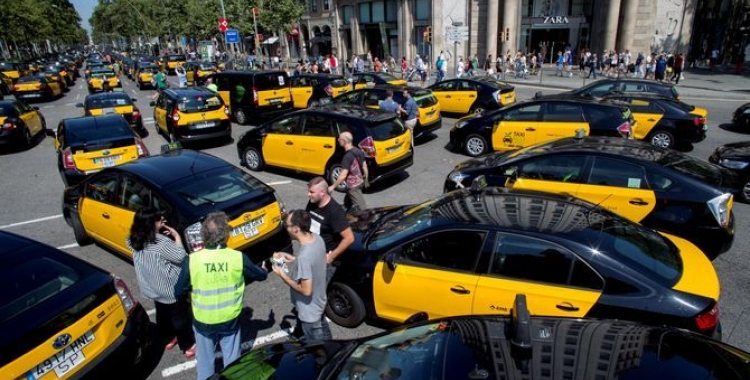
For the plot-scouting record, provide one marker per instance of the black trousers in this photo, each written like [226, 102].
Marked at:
[175, 320]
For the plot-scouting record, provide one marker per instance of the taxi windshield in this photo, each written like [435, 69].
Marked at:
[109, 101]
[401, 224]
[207, 66]
[199, 103]
[215, 186]
[387, 77]
[30, 79]
[6, 66]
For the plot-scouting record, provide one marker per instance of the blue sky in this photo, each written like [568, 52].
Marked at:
[85, 8]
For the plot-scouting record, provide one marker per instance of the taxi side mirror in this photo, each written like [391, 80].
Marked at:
[390, 261]
[133, 100]
[511, 175]
[35, 108]
[79, 105]
[152, 103]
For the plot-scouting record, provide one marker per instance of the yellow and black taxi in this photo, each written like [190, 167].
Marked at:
[88, 144]
[120, 103]
[174, 60]
[606, 86]
[657, 187]
[306, 141]
[369, 79]
[20, 123]
[664, 122]
[185, 186]
[471, 251]
[429, 118]
[735, 157]
[102, 79]
[191, 114]
[198, 71]
[92, 65]
[536, 121]
[309, 90]
[54, 74]
[62, 71]
[255, 95]
[145, 74]
[62, 317]
[36, 87]
[12, 70]
[470, 95]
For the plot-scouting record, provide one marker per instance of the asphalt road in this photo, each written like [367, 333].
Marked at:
[33, 190]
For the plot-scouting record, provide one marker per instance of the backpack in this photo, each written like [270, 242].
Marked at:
[438, 63]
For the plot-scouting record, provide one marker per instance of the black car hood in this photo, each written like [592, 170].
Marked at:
[481, 162]
[293, 361]
[739, 150]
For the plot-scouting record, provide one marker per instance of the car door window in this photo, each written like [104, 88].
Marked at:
[372, 98]
[563, 112]
[454, 250]
[318, 126]
[103, 188]
[612, 172]
[444, 86]
[288, 126]
[604, 89]
[525, 258]
[634, 87]
[554, 168]
[466, 86]
[523, 113]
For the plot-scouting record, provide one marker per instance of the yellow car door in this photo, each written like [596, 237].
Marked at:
[561, 174]
[432, 274]
[281, 145]
[160, 112]
[541, 270]
[301, 91]
[99, 212]
[646, 115]
[316, 145]
[443, 91]
[560, 120]
[190, 75]
[516, 127]
[465, 95]
[30, 117]
[619, 186]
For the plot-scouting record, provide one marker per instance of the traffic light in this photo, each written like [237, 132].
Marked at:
[502, 35]
[507, 34]
[427, 34]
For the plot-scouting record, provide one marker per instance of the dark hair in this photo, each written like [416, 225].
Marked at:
[388, 93]
[142, 231]
[301, 219]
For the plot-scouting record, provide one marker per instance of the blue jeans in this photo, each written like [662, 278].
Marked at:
[206, 347]
[316, 331]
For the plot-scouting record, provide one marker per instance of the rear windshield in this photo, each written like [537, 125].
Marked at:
[88, 131]
[339, 82]
[682, 105]
[216, 186]
[387, 130]
[30, 79]
[5, 66]
[427, 100]
[207, 66]
[199, 103]
[109, 101]
[150, 69]
[6, 110]
[271, 81]
[387, 77]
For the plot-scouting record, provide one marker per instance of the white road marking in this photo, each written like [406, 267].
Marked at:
[74, 245]
[148, 119]
[278, 183]
[78, 96]
[31, 221]
[259, 341]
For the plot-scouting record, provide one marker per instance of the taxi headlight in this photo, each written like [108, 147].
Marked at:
[732, 164]
[460, 124]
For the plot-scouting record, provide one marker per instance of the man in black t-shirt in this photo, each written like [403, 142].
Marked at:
[328, 221]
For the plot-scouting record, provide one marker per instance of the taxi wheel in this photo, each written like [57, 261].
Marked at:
[240, 117]
[28, 139]
[661, 139]
[345, 308]
[253, 159]
[475, 145]
[333, 172]
[82, 238]
[745, 194]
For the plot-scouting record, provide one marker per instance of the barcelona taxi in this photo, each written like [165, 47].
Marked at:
[471, 251]
[35, 87]
[20, 123]
[657, 187]
[114, 103]
[477, 94]
[63, 318]
[191, 114]
[185, 186]
[88, 144]
[197, 72]
[145, 75]
[369, 79]
[102, 79]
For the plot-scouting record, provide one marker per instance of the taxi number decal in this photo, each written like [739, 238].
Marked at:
[514, 136]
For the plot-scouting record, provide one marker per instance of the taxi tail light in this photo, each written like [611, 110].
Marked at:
[9, 126]
[67, 159]
[43, 86]
[721, 208]
[498, 97]
[16, 88]
[329, 90]
[625, 130]
[255, 96]
[193, 237]
[367, 146]
[708, 319]
[176, 115]
[142, 150]
[699, 121]
[128, 301]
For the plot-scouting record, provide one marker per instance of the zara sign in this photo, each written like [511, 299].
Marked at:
[556, 20]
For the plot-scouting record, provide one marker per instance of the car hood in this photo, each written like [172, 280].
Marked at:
[481, 162]
[293, 361]
[738, 150]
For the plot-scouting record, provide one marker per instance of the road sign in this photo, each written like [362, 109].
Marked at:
[223, 24]
[233, 36]
[457, 33]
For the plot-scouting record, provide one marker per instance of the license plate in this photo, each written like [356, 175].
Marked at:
[393, 149]
[32, 95]
[274, 101]
[203, 124]
[108, 110]
[107, 162]
[65, 360]
[248, 229]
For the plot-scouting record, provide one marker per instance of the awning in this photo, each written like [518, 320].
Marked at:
[270, 40]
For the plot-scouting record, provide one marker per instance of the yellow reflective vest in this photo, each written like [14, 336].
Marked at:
[218, 285]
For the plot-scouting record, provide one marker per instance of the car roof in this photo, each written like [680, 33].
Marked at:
[351, 111]
[631, 148]
[104, 95]
[319, 75]
[171, 166]
[415, 91]
[594, 101]
[195, 91]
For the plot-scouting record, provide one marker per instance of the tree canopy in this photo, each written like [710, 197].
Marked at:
[37, 21]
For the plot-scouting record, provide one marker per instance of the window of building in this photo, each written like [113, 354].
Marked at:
[313, 6]
[391, 11]
[326, 5]
[378, 11]
[365, 17]
[423, 9]
[346, 14]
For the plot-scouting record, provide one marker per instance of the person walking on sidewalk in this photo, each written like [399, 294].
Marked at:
[560, 62]
[353, 174]
[217, 276]
[679, 64]
[593, 62]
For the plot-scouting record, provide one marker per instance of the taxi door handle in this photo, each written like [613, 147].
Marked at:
[328, 146]
[531, 129]
[289, 142]
[638, 202]
[651, 119]
[567, 306]
[460, 290]
[447, 96]
[472, 96]
[105, 215]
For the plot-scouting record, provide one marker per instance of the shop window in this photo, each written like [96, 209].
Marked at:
[423, 9]
[313, 6]
[391, 11]
[346, 12]
[364, 13]
[378, 11]
[326, 5]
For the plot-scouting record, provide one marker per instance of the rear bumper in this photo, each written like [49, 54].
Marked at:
[31, 94]
[379, 172]
[423, 129]
[187, 133]
[713, 240]
[14, 136]
[263, 248]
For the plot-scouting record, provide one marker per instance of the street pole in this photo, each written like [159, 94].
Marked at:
[226, 45]
[169, 25]
[257, 41]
